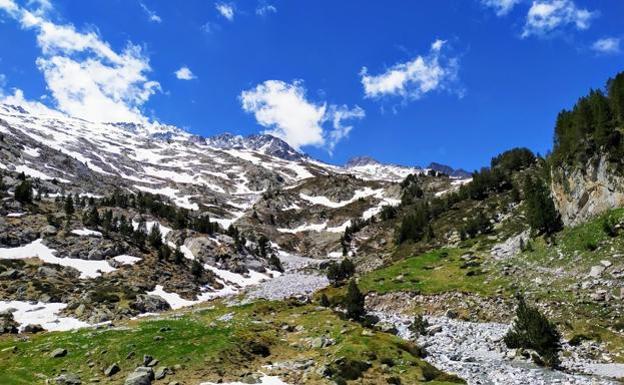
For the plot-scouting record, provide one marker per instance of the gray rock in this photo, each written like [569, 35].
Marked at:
[33, 328]
[161, 372]
[146, 303]
[112, 370]
[10, 274]
[596, 271]
[141, 376]
[7, 323]
[58, 352]
[67, 379]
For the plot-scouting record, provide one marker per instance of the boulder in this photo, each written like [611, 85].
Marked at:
[33, 328]
[58, 352]
[112, 370]
[7, 323]
[141, 376]
[67, 379]
[596, 271]
[147, 303]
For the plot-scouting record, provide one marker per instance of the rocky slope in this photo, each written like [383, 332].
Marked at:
[584, 192]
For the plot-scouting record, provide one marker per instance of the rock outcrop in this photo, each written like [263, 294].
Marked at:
[581, 193]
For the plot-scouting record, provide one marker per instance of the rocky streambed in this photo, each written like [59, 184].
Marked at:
[476, 352]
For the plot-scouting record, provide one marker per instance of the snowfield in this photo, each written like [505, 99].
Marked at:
[44, 314]
[264, 380]
[36, 249]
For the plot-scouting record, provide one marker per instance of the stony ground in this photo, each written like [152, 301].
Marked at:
[476, 352]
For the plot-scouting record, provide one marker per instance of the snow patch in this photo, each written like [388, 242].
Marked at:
[88, 269]
[44, 314]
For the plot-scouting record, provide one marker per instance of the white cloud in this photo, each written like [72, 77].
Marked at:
[151, 15]
[265, 9]
[9, 6]
[184, 73]
[34, 107]
[2, 81]
[502, 7]
[415, 78]
[285, 111]
[86, 77]
[341, 131]
[226, 10]
[607, 45]
[546, 16]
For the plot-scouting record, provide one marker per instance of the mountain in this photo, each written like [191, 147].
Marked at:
[448, 170]
[265, 144]
[303, 272]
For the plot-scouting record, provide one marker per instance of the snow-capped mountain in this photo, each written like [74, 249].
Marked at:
[368, 168]
[450, 171]
[223, 175]
[263, 143]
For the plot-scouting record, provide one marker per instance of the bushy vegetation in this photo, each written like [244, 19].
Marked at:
[354, 302]
[592, 126]
[416, 225]
[532, 330]
[338, 273]
[23, 192]
[419, 325]
[475, 225]
[540, 208]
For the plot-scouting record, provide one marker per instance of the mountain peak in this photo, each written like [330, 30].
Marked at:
[448, 170]
[264, 143]
[361, 161]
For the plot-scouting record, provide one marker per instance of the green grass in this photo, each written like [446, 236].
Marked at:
[435, 272]
[210, 349]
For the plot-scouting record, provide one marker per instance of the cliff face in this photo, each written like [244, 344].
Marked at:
[584, 192]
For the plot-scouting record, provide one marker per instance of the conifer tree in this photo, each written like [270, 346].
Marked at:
[354, 302]
[155, 236]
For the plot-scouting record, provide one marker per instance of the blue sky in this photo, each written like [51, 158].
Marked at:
[409, 82]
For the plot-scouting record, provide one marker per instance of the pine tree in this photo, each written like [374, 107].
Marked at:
[354, 302]
[197, 269]
[69, 205]
[155, 236]
[540, 208]
[532, 330]
[178, 256]
[164, 252]
[23, 192]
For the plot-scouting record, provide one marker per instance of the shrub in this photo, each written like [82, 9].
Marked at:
[532, 330]
[275, 263]
[354, 302]
[540, 208]
[419, 325]
[155, 236]
[197, 269]
[609, 226]
[591, 245]
[337, 273]
[23, 192]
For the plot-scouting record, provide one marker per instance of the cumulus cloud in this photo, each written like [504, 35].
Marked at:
[85, 76]
[184, 73]
[285, 111]
[17, 99]
[607, 45]
[9, 6]
[501, 7]
[265, 9]
[226, 10]
[415, 78]
[151, 15]
[547, 16]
